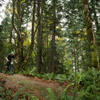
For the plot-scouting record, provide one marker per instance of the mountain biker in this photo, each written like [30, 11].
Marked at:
[9, 59]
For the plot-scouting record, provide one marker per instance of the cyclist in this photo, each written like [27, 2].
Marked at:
[9, 59]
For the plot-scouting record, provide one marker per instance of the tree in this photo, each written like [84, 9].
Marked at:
[53, 45]
[39, 36]
[95, 19]
[90, 35]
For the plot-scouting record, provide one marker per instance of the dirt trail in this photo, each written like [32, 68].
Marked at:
[34, 85]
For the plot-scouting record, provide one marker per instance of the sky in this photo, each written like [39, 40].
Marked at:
[2, 8]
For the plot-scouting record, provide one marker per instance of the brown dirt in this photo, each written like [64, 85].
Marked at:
[38, 87]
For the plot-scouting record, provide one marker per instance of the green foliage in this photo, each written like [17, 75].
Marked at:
[88, 85]
[51, 95]
[62, 95]
[72, 57]
[16, 96]
[48, 76]
[6, 94]
[24, 96]
[60, 77]
[22, 1]
[29, 71]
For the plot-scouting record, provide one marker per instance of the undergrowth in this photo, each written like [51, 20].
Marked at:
[83, 86]
[6, 94]
[46, 76]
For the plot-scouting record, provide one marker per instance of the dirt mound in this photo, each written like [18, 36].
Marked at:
[37, 87]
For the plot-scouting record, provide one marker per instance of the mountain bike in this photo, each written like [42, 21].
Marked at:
[10, 69]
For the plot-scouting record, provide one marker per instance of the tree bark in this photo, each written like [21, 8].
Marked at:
[17, 28]
[39, 38]
[33, 22]
[90, 35]
[97, 29]
[52, 64]
[95, 15]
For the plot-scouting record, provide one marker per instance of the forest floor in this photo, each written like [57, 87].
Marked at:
[37, 87]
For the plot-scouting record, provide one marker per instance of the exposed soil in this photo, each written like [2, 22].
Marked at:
[37, 87]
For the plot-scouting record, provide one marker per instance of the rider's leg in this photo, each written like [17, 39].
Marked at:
[8, 67]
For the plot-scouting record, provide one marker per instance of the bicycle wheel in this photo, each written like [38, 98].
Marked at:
[12, 70]
[6, 69]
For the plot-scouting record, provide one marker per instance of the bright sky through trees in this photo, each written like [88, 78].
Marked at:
[2, 8]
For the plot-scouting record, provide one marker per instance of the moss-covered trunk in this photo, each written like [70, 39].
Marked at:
[94, 59]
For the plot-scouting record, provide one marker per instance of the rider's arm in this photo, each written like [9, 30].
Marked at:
[15, 61]
[6, 59]
[14, 58]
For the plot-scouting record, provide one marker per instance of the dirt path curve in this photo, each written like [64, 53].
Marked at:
[37, 87]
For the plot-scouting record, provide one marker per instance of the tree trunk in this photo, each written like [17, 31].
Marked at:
[33, 22]
[97, 26]
[90, 34]
[39, 37]
[17, 28]
[95, 14]
[53, 47]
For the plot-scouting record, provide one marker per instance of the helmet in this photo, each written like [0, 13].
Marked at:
[12, 53]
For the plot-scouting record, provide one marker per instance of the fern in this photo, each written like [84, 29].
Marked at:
[16, 96]
[51, 95]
